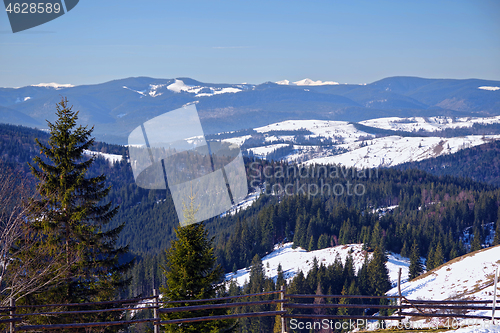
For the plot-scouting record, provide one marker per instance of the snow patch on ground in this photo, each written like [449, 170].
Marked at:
[245, 203]
[393, 150]
[324, 128]
[489, 88]
[469, 276]
[429, 124]
[143, 92]
[294, 260]
[200, 91]
[20, 100]
[153, 90]
[264, 150]
[109, 157]
[219, 91]
[349, 146]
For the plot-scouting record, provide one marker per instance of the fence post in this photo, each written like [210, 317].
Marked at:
[155, 312]
[399, 294]
[12, 313]
[282, 308]
[494, 296]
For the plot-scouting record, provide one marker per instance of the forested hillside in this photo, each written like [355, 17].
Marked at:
[481, 163]
[317, 207]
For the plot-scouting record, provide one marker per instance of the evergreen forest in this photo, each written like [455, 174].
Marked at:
[314, 207]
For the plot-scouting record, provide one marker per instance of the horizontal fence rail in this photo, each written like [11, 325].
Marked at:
[340, 317]
[217, 306]
[341, 296]
[221, 298]
[405, 308]
[233, 316]
[81, 325]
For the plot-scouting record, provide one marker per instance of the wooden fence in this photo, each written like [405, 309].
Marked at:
[404, 308]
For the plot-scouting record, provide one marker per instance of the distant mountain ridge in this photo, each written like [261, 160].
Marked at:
[116, 107]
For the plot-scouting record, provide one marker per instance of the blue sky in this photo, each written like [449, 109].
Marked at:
[256, 41]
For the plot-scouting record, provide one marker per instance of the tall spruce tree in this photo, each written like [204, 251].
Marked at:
[476, 241]
[191, 273]
[71, 218]
[416, 267]
[379, 275]
[496, 240]
[429, 263]
[438, 256]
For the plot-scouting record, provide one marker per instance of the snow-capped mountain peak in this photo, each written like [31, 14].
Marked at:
[306, 82]
[309, 82]
[283, 82]
[200, 91]
[54, 85]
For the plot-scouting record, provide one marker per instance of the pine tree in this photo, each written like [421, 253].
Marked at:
[496, 240]
[343, 311]
[298, 285]
[376, 236]
[312, 244]
[379, 275]
[258, 283]
[348, 274]
[354, 290]
[191, 272]
[364, 277]
[280, 279]
[257, 276]
[71, 219]
[416, 267]
[438, 256]
[476, 241]
[323, 241]
[429, 263]
[404, 250]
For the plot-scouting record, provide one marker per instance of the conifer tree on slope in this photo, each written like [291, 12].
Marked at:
[191, 273]
[416, 268]
[71, 218]
[496, 240]
[379, 275]
[476, 242]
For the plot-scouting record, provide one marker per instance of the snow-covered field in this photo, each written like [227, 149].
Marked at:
[361, 149]
[429, 124]
[245, 203]
[393, 150]
[469, 276]
[325, 128]
[179, 86]
[294, 260]
[109, 157]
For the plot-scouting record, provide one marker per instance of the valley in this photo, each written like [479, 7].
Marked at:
[435, 183]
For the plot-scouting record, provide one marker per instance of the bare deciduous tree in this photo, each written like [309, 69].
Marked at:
[25, 268]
